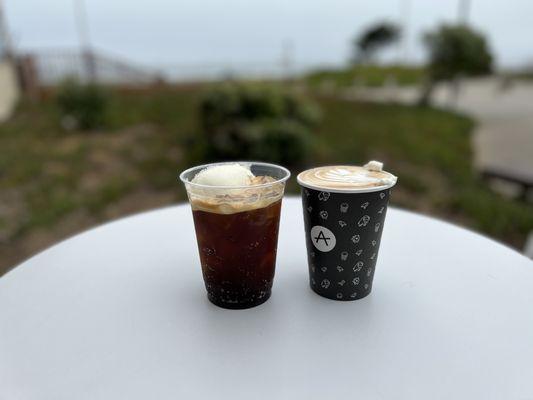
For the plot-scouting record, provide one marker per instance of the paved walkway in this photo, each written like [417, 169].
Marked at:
[504, 136]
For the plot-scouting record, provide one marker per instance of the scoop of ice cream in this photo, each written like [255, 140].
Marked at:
[224, 175]
[232, 188]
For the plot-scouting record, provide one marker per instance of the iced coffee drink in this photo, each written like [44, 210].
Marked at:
[236, 209]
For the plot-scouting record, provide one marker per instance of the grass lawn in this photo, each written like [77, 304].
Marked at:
[366, 75]
[54, 183]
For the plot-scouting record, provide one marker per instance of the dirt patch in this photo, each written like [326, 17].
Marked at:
[82, 180]
[39, 239]
[137, 201]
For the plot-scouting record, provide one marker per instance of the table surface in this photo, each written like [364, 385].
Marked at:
[120, 312]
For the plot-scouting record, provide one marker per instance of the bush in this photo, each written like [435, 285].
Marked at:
[243, 122]
[365, 75]
[82, 106]
[282, 142]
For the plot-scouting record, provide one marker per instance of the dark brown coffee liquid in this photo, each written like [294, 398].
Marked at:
[238, 254]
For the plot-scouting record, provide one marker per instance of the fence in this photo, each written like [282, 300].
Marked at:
[53, 66]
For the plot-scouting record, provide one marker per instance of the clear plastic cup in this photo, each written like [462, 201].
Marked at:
[237, 234]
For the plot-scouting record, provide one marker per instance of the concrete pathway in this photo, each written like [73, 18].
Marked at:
[504, 113]
[504, 135]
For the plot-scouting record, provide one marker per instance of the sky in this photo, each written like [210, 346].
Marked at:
[200, 32]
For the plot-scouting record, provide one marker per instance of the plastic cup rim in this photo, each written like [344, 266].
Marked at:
[203, 166]
[346, 190]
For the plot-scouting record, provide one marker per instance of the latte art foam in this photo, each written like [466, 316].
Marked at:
[347, 177]
[344, 175]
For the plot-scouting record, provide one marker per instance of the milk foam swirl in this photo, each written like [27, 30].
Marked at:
[346, 178]
[340, 174]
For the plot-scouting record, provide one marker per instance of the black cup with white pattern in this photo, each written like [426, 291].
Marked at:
[343, 234]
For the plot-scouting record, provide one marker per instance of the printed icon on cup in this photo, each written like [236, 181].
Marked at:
[365, 219]
[339, 268]
[376, 227]
[324, 269]
[355, 238]
[309, 208]
[325, 283]
[307, 193]
[322, 238]
[344, 207]
[323, 214]
[339, 295]
[324, 196]
[359, 252]
[365, 205]
[344, 255]
[353, 295]
[357, 267]
[369, 272]
[342, 224]
[341, 283]
[373, 256]
[355, 281]
[381, 210]
[374, 242]
[382, 195]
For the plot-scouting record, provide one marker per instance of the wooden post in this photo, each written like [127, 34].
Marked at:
[6, 47]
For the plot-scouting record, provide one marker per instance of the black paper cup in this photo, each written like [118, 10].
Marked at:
[343, 234]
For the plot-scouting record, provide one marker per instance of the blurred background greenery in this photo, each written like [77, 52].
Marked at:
[84, 149]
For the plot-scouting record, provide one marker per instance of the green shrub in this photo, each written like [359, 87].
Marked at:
[82, 106]
[284, 142]
[366, 75]
[243, 122]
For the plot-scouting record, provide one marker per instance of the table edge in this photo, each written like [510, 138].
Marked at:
[184, 204]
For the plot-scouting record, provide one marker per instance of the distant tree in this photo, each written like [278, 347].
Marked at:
[454, 51]
[374, 38]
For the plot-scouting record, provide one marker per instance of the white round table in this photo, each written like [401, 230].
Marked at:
[120, 312]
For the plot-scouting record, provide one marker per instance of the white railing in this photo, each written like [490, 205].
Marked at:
[54, 66]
